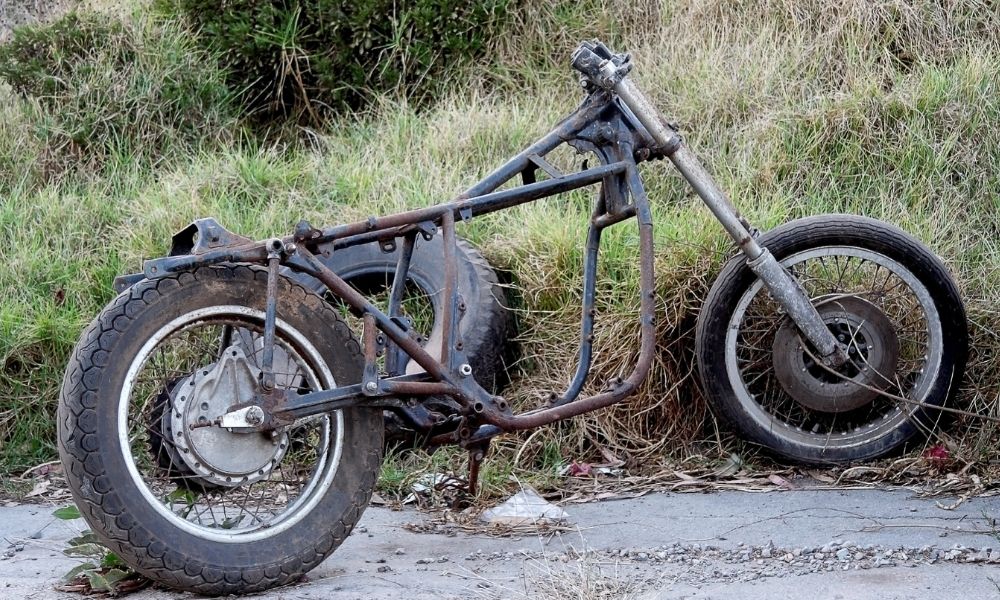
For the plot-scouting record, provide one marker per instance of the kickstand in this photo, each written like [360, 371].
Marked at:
[477, 453]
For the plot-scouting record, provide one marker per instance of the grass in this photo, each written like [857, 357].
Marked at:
[888, 109]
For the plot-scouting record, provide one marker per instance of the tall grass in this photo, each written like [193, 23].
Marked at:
[888, 109]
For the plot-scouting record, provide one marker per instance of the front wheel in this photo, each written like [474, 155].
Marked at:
[205, 509]
[886, 298]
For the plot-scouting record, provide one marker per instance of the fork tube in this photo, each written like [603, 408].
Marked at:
[716, 200]
[785, 288]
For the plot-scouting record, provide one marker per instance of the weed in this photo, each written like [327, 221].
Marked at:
[103, 572]
[884, 108]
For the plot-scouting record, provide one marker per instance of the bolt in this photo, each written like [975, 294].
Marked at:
[255, 416]
[371, 387]
[465, 370]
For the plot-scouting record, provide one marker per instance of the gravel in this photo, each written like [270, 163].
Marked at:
[751, 562]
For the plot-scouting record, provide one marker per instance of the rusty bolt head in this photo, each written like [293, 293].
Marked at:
[255, 416]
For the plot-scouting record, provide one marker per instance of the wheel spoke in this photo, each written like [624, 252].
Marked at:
[184, 480]
[855, 276]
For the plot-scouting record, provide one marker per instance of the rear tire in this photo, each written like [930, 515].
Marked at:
[126, 511]
[486, 326]
[765, 411]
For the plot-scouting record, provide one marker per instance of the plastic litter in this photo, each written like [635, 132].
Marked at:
[524, 508]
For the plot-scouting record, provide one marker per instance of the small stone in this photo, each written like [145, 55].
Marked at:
[843, 554]
[765, 553]
[400, 551]
[384, 569]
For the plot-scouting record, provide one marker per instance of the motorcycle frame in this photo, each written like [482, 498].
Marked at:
[615, 123]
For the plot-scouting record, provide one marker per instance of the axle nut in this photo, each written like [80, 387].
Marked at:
[255, 416]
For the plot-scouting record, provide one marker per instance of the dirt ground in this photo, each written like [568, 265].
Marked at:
[826, 544]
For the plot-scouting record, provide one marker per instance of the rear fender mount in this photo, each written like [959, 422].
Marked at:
[200, 236]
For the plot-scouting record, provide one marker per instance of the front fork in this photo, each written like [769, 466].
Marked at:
[784, 288]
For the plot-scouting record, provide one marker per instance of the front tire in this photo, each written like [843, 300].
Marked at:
[873, 282]
[191, 526]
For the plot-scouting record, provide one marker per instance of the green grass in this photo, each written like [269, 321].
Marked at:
[888, 109]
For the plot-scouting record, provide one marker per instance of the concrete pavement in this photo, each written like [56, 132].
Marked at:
[818, 545]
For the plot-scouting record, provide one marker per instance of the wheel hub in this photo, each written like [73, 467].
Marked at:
[221, 456]
[873, 350]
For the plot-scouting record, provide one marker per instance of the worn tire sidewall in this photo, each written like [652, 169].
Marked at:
[486, 322]
[800, 235]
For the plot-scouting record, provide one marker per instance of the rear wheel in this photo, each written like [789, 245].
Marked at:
[486, 326]
[883, 295]
[205, 509]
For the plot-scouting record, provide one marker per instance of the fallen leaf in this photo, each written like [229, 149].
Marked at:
[611, 460]
[819, 476]
[780, 481]
[937, 453]
[39, 488]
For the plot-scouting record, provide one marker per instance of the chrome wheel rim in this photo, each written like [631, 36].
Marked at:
[826, 271]
[263, 508]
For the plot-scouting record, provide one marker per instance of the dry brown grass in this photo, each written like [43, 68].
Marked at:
[886, 108]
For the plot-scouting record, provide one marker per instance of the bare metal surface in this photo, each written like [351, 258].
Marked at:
[215, 453]
[450, 300]
[873, 347]
[790, 295]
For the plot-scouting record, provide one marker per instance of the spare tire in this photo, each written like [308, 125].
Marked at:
[486, 325]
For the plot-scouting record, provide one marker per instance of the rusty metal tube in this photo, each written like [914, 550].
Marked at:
[545, 416]
[342, 289]
[449, 327]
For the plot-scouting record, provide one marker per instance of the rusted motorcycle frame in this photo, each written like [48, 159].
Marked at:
[617, 124]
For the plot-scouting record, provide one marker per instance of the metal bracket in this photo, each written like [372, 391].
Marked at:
[275, 249]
